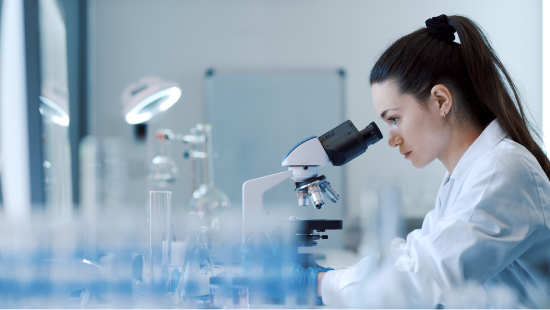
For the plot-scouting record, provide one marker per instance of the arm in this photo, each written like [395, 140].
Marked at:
[495, 219]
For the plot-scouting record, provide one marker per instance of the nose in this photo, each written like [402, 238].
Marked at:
[394, 139]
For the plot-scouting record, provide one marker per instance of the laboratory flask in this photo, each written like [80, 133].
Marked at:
[208, 203]
[192, 288]
[163, 169]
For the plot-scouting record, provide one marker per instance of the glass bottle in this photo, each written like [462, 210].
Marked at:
[163, 170]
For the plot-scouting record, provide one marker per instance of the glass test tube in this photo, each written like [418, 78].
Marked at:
[160, 232]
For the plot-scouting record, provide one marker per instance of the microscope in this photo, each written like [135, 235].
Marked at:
[339, 146]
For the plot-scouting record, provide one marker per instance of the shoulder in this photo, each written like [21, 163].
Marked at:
[510, 160]
[510, 170]
[505, 183]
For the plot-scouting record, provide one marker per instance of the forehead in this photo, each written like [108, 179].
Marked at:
[386, 95]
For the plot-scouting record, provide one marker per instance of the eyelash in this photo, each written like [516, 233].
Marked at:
[393, 119]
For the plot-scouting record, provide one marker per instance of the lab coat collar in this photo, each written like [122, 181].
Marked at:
[493, 134]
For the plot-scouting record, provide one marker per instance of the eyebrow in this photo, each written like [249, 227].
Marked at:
[384, 113]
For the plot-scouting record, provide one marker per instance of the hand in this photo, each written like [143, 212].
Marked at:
[273, 271]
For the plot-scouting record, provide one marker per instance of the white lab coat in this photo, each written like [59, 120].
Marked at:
[490, 226]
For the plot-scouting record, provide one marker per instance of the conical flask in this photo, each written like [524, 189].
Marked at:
[207, 202]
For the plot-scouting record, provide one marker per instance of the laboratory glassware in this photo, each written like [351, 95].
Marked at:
[45, 264]
[240, 293]
[197, 267]
[207, 200]
[160, 238]
[114, 172]
[208, 207]
[103, 174]
[163, 169]
[227, 292]
[220, 288]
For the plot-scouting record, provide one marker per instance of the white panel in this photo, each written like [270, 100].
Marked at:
[13, 102]
[546, 72]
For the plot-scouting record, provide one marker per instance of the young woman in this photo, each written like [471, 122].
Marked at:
[490, 229]
[456, 102]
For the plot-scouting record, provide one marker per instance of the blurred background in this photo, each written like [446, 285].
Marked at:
[252, 78]
[182, 40]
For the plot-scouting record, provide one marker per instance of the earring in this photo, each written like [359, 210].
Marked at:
[444, 115]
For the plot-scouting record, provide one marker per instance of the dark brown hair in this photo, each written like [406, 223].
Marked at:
[471, 70]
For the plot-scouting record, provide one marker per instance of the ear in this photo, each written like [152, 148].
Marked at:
[441, 96]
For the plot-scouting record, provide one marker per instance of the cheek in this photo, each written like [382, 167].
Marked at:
[422, 139]
[413, 133]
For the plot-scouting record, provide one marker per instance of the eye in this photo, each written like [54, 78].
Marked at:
[393, 120]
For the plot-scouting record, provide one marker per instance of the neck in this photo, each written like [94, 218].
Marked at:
[461, 138]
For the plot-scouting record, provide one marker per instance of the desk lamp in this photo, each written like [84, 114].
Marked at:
[148, 98]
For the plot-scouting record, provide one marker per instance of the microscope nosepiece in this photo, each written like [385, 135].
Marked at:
[315, 188]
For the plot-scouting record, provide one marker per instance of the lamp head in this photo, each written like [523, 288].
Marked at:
[54, 103]
[53, 112]
[148, 98]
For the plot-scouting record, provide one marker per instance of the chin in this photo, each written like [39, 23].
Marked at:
[421, 164]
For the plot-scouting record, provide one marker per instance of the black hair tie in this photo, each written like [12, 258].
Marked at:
[441, 28]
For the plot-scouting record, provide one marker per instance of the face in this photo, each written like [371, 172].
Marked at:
[417, 131]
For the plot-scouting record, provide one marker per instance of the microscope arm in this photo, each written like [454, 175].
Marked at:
[253, 192]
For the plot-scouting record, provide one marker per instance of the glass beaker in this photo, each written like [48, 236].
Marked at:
[240, 293]
[220, 288]
[160, 241]
[227, 293]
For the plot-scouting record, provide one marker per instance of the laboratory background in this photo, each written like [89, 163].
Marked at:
[128, 128]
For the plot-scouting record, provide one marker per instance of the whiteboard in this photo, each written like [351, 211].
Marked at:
[257, 117]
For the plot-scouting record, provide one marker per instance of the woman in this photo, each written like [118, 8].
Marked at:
[456, 102]
[490, 228]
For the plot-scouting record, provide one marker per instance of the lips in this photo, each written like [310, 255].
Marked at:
[407, 154]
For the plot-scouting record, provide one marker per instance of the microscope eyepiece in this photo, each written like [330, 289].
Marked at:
[343, 143]
[371, 134]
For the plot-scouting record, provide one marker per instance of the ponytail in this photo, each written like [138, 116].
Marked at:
[471, 70]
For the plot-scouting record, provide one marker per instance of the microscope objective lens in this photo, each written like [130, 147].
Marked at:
[302, 198]
[316, 196]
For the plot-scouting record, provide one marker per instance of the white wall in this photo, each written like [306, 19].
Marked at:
[178, 40]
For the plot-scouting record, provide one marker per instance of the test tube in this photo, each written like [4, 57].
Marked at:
[160, 232]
